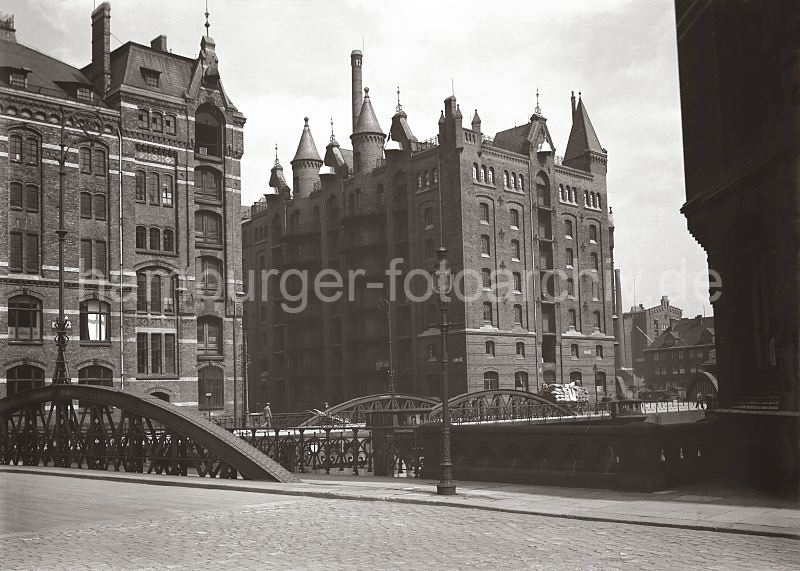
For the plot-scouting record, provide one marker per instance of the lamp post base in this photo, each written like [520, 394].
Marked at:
[445, 489]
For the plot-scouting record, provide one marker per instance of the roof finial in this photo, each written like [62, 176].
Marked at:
[276, 153]
[579, 96]
[333, 139]
[537, 110]
[366, 92]
[399, 107]
[207, 25]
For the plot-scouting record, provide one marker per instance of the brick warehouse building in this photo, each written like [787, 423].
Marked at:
[151, 210]
[505, 205]
[641, 326]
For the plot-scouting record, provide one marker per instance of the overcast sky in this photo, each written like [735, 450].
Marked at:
[281, 60]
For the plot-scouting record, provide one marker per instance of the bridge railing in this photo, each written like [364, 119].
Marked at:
[522, 413]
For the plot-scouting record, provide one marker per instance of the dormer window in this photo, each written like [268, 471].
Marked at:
[18, 78]
[150, 77]
[83, 94]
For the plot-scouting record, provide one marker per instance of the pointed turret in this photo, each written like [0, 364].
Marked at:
[306, 164]
[367, 137]
[476, 122]
[584, 150]
[277, 179]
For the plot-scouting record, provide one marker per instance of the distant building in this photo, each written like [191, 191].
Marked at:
[152, 211]
[683, 351]
[505, 204]
[641, 327]
[741, 141]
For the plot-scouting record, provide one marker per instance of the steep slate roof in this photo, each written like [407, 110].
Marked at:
[128, 60]
[367, 121]
[513, 139]
[47, 75]
[306, 149]
[686, 332]
[582, 136]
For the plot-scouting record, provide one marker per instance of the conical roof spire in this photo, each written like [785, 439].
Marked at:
[306, 149]
[367, 121]
[582, 137]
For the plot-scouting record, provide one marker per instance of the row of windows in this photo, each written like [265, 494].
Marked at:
[489, 318]
[486, 175]
[569, 230]
[155, 353]
[519, 347]
[594, 259]
[24, 252]
[160, 241]
[572, 319]
[157, 122]
[570, 195]
[23, 150]
[675, 370]
[491, 380]
[575, 354]
[93, 261]
[154, 188]
[427, 178]
[516, 280]
[484, 215]
[25, 319]
[92, 161]
[24, 377]
[155, 292]
[93, 206]
[26, 198]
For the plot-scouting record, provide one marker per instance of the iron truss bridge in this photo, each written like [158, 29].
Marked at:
[111, 429]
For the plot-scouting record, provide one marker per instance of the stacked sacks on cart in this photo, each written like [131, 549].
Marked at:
[568, 393]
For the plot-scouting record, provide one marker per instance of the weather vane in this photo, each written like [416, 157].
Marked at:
[207, 25]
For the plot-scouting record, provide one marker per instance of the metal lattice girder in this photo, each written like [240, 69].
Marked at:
[355, 411]
[500, 404]
[148, 430]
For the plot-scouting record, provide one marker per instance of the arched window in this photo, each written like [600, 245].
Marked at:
[572, 318]
[574, 195]
[595, 261]
[484, 175]
[207, 184]
[576, 377]
[520, 349]
[599, 203]
[155, 239]
[543, 189]
[15, 148]
[24, 318]
[515, 252]
[505, 179]
[155, 293]
[210, 389]
[597, 321]
[488, 312]
[515, 218]
[592, 233]
[141, 238]
[32, 151]
[141, 186]
[491, 175]
[96, 375]
[570, 287]
[22, 378]
[561, 193]
[521, 182]
[568, 228]
[570, 258]
[153, 190]
[491, 380]
[573, 350]
[207, 132]
[208, 276]
[99, 206]
[514, 180]
[486, 275]
[517, 282]
[598, 351]
[15, 195]
[484, 212]
[85, 160]
[99, 162]
[485, 245]
[521, 381]
[156, 122]
[169, 240]
[86, 205]
[207, 228]
[490, 348]
[474, 171]
[209, 336]
[95, 318]
[586, 198]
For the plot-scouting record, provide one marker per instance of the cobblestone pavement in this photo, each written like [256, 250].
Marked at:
[69, 523]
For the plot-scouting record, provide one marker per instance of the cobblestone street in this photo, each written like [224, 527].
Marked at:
[71, 523]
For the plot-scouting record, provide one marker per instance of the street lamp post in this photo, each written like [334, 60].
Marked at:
[390, 385]
[443, 285]
[238, 295]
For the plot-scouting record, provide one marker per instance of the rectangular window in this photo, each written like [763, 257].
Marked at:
[166, 190]
[15, 148]
[99, 207]
[15, 196]
[484, 212]
[514, 218]
[485, 248]
[85, 257]
[169, 124]
[570, 257]
[141, 353]
[32, 198]
[100, 258]
[99, 162]
[85, 159]
[155, 353]
[86, 205]
[143, 118]
[15, 247]
[156, 122]
[141, 186]
[32, 151]
[169, 353]
[153, 188]
[32, 253]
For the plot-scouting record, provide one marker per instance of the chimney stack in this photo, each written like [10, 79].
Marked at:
[356, 59]
[101, 48]
[159, 43]
[7, 30]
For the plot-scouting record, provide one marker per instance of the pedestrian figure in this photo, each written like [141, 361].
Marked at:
[267, 417]
[325, 406]
[699, 401]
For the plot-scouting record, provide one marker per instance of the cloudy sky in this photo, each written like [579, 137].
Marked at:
[281, 60]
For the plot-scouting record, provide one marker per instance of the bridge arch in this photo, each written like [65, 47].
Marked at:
[119, 430]
[356, 411]
[499, 404]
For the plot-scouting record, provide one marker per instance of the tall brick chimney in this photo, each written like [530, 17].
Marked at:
[356, 59]
[7, 30]
[101, 48]
[159, 43]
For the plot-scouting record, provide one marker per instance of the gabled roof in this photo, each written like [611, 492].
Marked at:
[47, 75]
[367, 121]
[306, 149]
[128, 61]
[582, 136]
[519, 139]
[685, 333]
